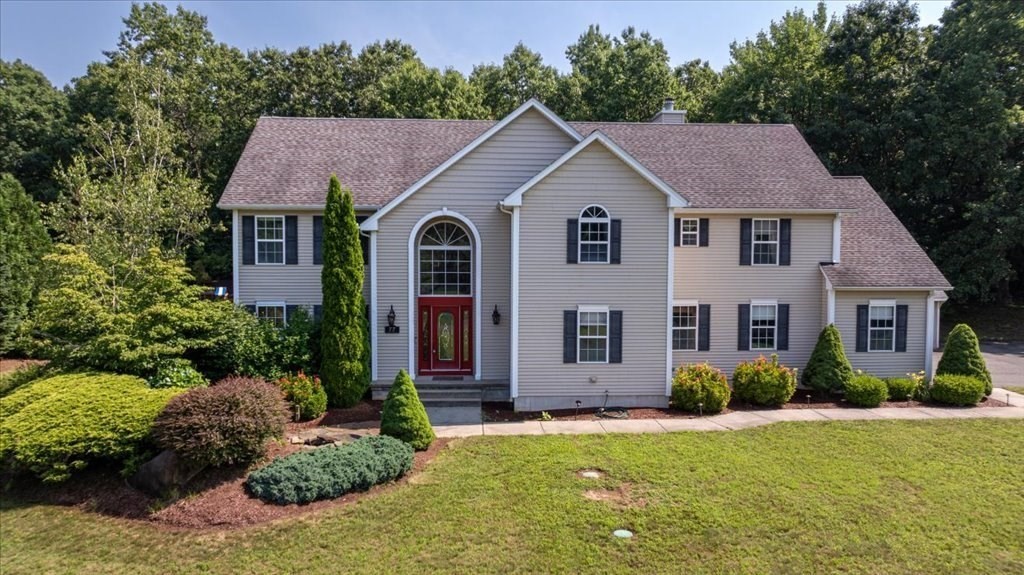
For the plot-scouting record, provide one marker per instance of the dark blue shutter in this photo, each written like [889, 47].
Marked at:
[572, 238]
[318, 312]
[785, 230]
[746, 237]
[862, 328]
[364, 241]
[704, 327]
[289, 312]
[291, 240]
[616, 247]
[569, 336]
[743, 333]
[248, 240]
[678, 232]
[782, 327]
[251, 308]
[901, 327]
[615, 336]
[318, 240]
[703, 239]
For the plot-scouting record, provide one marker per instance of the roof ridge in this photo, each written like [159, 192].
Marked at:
[355, 119]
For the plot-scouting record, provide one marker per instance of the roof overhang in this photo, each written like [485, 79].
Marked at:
[772, 210]
[532, 104]
[674, 199]
[838, 287]
[289, 207]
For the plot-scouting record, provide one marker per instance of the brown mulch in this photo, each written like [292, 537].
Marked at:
[364, 411]
[13, 364]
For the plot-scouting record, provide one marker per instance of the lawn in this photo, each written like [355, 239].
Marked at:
[852, 497]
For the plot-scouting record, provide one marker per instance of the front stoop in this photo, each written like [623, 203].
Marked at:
[452, 405]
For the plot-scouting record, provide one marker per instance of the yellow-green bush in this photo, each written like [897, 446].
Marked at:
[57, 425]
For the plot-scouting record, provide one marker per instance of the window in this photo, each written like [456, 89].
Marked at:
[274, 312]
[446, 261]
[882, 326]
[594, 235]
[684, 327]
[269, 239]
[766, 242]
[689, 232]
[763, 325]
[592, 332]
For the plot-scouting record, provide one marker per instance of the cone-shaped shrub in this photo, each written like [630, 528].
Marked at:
[962, 356]
[344, 345]
[404, 417]
[828, 369]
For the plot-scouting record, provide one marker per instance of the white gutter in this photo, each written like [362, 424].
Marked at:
[235, 221]
[837, 236]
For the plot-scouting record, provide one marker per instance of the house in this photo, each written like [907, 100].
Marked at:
[551, 262]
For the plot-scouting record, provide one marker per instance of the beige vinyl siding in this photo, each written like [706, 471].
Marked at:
[548, 285]
[884, 363]
[712, 275]
[293, 284]
[472, 187]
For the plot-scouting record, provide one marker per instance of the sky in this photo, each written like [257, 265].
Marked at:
[61, 38]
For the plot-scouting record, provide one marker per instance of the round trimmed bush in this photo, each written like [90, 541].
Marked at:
[403, 415]
[54, 426]
[305, 394]
[176, 373]
[901, 388]
[764, 382]
[700, 387]
[329, 472]
[227, 423]
[957, 389]
[866, 391]
[962, 356]
[827, 369]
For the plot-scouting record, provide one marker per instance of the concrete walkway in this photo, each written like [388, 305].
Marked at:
[737, 419]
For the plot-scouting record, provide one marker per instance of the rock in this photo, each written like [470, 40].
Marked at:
[163, 473]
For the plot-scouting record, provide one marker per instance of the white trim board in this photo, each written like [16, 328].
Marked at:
[236, 233]
[532, 104]
[514, 360]
[374, 337]
[674, 199]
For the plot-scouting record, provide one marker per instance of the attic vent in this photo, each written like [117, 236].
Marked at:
[668, 114]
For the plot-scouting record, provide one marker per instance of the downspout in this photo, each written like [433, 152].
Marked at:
[929, 338]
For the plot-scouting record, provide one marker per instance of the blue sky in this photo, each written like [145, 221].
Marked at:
[62, 38]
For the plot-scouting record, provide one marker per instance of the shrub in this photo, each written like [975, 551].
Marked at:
[828, 369]
[57, 425]
[23, 240]
[227, 423]
[700, 387]
[294, 348]
[866, 390]
[305, 394]
[240, 344]
[954, 389]
[176, 373]
[332, 471]
[764, 382]
[403, 416]
[962, 356]
[901, 388]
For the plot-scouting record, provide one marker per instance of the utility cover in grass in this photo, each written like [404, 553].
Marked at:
[404, 417]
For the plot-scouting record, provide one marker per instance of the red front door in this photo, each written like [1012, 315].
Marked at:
[446, 335]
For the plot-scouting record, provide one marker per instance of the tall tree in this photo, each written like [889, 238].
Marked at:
[344, 341]
[417, 91]
[522, 75]
[375, 62]
[698, 82]
[34, 131]
[23, 241]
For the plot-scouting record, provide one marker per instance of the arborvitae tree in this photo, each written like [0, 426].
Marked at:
[344, 344]
[962, 356]
[23, 240]
[827, 369]
[404, 416]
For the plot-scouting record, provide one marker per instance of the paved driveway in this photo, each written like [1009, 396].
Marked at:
[1004, 360]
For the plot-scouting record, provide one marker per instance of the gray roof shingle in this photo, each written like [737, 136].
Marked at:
[876, 250]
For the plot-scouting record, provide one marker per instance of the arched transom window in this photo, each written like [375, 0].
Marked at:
[594, 233]
[446, 261]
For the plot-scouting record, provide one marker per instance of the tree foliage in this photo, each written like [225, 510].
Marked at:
[23, 241]
[344, 339]
[522, 75]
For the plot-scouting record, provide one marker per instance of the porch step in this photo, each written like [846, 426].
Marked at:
[450, 396]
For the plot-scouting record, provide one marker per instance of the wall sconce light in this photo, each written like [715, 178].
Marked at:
[391, 327]
[496, 315]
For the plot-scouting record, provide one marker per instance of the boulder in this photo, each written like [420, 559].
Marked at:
[164, 473]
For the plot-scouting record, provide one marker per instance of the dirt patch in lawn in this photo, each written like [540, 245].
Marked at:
[621, 496]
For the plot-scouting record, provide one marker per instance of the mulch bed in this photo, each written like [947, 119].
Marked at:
[217, 499]
[12, 364]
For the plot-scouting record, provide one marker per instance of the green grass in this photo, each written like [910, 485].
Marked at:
[841, 497]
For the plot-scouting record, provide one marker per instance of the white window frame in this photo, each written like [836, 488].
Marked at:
[775, 328]
[272, 304]
[696, 323]
[258, 241]
[754, 242]
[882, 304]
[580, 310]
[683, 233]
[607, 221]
[448, 248]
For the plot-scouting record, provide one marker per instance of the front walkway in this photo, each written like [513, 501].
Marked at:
[737, 419]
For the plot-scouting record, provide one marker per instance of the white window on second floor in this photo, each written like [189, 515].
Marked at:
[269, 239]
[595, 235]
[765, 238]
